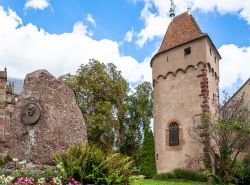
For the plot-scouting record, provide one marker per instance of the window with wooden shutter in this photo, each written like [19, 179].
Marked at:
[173, 134]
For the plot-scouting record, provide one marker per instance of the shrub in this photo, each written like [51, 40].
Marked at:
[164, 176]
[148, 167]
[183, 175]
[242, 172]
[189, 175]
[4, 160]
[49, 172]
[90, 165]
[136, 171]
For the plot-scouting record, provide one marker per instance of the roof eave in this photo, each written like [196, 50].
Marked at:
[202, 36]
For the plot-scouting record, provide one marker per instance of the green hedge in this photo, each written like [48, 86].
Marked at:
[183, 175]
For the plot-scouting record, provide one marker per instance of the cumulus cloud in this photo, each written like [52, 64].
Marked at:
[129, 36]
[27, 48]
[239, 7]
[155, 14]
[37, 4]
[90, 19]
[235, 64]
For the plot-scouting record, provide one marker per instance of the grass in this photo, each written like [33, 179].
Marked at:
[159, 182]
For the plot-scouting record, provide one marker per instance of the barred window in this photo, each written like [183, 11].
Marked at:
[173, 134]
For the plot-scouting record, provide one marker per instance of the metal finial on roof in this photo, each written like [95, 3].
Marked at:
[189, 6]
[172, 10]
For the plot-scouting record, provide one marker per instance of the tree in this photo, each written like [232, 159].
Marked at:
[115, 116]
[148, 167]
[228, 131]
[101, 92]
[139, 113]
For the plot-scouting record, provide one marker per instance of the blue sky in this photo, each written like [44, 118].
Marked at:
[61, 35]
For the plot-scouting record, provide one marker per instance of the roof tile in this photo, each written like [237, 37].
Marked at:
[182, 29]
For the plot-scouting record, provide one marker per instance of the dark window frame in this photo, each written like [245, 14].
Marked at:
[174, 134]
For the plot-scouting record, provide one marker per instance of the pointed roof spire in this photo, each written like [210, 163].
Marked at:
[183, 28]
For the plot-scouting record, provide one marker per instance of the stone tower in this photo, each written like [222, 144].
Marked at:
[185, 81]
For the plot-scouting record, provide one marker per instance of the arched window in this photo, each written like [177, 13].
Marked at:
[173, 134]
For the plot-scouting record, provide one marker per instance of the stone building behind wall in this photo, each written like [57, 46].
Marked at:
[185, 82]
[245, 91]
[7, 102]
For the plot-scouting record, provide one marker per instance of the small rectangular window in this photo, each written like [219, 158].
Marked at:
[173, 134]
[167, 59]
[187, 51]
[215, 59]
[210, 51]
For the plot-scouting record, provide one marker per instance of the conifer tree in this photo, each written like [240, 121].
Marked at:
[148, 167]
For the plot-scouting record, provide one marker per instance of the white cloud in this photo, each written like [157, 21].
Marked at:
[37, 4]
[81, 29]
[90, 19]
[27, 48]
[235, 64]
[155, 14]
[129, 36]
[156, 22]
[239, 7]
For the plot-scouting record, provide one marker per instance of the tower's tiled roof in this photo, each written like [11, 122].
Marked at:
[182, 29]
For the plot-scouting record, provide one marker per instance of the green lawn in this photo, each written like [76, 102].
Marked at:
[157, 182]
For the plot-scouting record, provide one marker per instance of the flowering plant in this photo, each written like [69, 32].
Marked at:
[15, 159]
[72, 181]
[41, 181]
[23, 180]
[22, 162]
[5, 179]
[54, 180]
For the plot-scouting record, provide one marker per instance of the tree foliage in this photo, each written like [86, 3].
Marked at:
[138, 116]
[101, 91]
[229, 134]
[148, 167]
[115, 115]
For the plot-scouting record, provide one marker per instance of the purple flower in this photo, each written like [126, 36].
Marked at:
[23, 180]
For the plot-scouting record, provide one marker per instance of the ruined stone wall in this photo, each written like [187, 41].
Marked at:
[7, 102]
[2, 110]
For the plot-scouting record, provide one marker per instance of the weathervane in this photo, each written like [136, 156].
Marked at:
[188, 6]
[172, 10]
